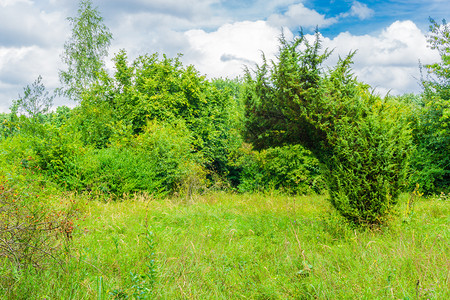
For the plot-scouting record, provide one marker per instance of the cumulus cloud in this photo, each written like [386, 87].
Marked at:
[231, 57]
[361, 10]
[180, 8]
[21, 66]
[388, 61]
[176, 14]
[298, 15]
[218, 37]
[31, 40]
[225, 51]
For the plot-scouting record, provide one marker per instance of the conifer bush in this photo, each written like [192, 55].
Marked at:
[366, 167]
[362, 141]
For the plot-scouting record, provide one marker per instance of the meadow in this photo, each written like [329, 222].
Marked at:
[249, 246]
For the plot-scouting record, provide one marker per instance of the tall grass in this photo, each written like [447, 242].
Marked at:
[227, 246]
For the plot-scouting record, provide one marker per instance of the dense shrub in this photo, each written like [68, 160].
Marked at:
[429, 119]
[291, 169]
[431, 122]
[7, 125]
[34, 233]
[368, 161]
[157, 161]
[430, 164]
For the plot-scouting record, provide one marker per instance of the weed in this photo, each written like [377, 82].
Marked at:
[142, 284]
[415, 195]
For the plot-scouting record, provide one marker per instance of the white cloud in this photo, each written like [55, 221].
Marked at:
[298, 15]
[173, 13]
[25, 24]
[388, 61]
[225, 51]
[210, 34]
[361, 10]
[21, 66]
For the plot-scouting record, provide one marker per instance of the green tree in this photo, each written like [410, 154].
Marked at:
[432, 120]
[275, 99]
[36, 100]
[438, 80]
[362, 141]
[162, 89]
[84, 51]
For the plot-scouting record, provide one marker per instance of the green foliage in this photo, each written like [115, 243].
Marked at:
[153, 125]
[7, 125]
[153, 88]
[275, 99]
[438, 81]
[431, 119]
[291, 169]
[47, 145]
[59, 117]
[55, 151]
[362, 141]
[170, 147]
[369, 162]
[95, 120]
[158, 161]
[157, 134]
[84, 51]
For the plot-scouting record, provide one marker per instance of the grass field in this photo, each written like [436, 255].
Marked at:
[228, 246]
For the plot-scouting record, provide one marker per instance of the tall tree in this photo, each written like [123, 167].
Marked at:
[85, 51]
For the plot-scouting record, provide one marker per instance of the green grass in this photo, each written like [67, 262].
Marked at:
[227, 246]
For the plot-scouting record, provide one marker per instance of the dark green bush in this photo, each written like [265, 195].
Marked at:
[368, 162]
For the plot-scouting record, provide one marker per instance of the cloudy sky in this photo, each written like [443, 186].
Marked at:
[219, 37]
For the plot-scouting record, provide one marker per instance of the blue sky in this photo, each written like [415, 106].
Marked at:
[218, 37]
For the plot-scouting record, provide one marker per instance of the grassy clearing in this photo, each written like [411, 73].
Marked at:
[227, 246]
